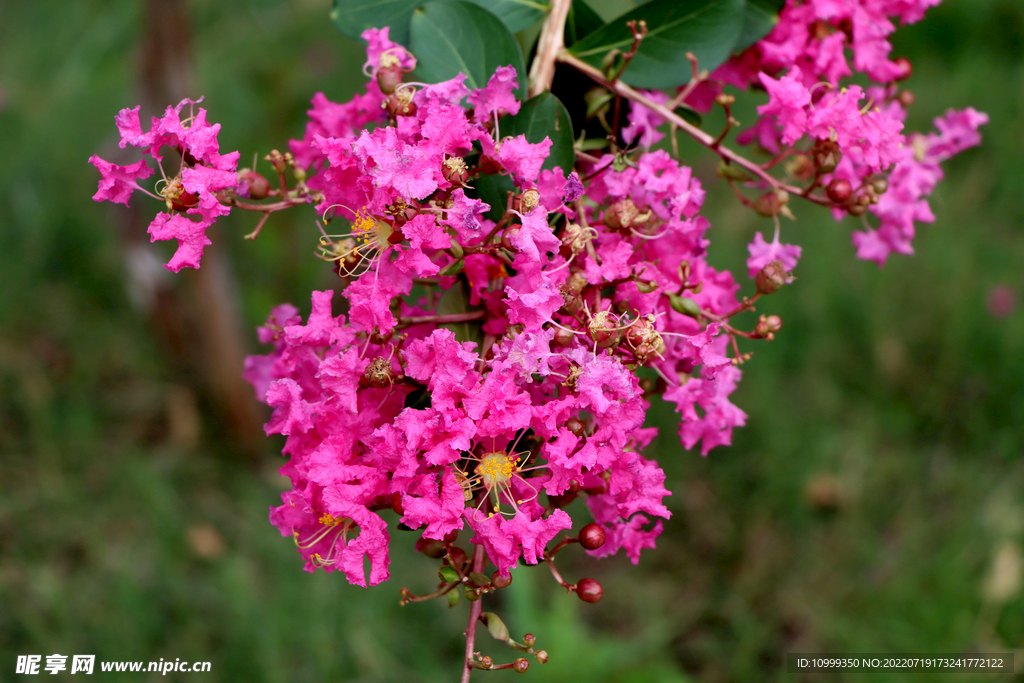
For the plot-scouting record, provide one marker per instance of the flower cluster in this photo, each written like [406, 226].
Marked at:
[493, 360]
[386, 408]
[203, 174]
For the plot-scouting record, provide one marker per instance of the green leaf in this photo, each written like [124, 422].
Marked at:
[517, 14]
[759, 19]
[690, 115]
[479, 580]
[707, 28]
[540, 117]
[456, 300]
[352, 17]
[493, 190]
[448, 574]
[495, 626]
[581, 22]
[452, 36]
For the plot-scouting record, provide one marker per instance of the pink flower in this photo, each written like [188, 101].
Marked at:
[118, 182]
[379, 45]
[523, 159]
[762, 253]
[496, 98]
[787, 98]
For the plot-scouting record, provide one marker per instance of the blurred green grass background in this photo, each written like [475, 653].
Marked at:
[872, 504]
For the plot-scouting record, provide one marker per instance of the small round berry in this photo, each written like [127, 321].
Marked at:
[592, 536]
[500, 581]
[589, 590]
[839, 190]
[906, 68]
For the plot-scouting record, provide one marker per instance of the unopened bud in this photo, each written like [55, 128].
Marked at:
[520, 666]
[485, 661]
[500, 581]
[541, 656]
[800, 167]
[839, 190]
[473, 594]
[906, 98]
[277, 160]
[529, 640]
[826, 156]
[589, 590]
[856, 209]
[389, 77]
[770, 203]
[684, 305]
[259, 187]
[771, 278]
[905, 66]
[774, 323]
[458, 557]
[880, 185]
[564, 338]
[592, 536]
[724, 99]
[430, 548]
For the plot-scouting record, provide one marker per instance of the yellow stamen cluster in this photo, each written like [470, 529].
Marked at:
[496, 468]
[328, 519]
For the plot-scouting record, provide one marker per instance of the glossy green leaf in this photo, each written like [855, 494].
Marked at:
[759, 19]
[452, 36]
[493, 190]
[352, 17]
[581, 22]
[516, 14]
[448, 574]
[539, 117]
[690, 115]
[707, 28]
[495, 626]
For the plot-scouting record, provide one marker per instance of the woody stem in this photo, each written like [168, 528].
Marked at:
[475, 609]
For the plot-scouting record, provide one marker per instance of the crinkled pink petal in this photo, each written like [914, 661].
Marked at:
[118, 182]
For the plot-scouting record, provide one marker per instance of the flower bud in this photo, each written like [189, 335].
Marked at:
[724, 99]
[389, 76]
[592, 536]
[430, 548]
[684, 305]
[563, 338]
[529, 640]
[839, 190]
[771, 278]
[589, 590]
[458, 557]
[826, 156]
[277, 160]
[576, 426]
[500, 581]
[259, 187]
[771, 203]
[520, 666]
[856, 209]
[473, 594]
[542, 656]
[800, 167]
[485, 661]
[774, 323]
[906, 98]
[905, 66]
[880, 185]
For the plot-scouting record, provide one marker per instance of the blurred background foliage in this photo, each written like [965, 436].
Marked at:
[872, 504]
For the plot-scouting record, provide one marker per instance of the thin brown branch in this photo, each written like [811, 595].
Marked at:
[697, 134]
[552, 40]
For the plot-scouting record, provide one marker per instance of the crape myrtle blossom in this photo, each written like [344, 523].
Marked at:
[485, 361]
[193, 191]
